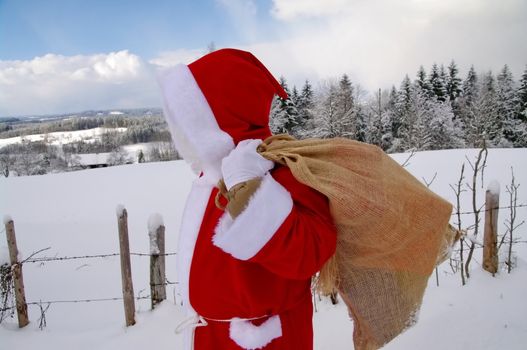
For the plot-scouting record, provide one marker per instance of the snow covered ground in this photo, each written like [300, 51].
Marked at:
[74, 214]
[62, 137]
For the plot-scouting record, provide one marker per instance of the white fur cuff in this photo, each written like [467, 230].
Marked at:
[255, 226]
[252, 337]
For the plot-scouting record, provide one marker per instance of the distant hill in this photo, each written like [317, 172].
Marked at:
[134, 112]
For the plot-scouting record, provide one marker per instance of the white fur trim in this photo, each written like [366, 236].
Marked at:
[252, 337]
[255, 226]
[188, 234]
[192, 123]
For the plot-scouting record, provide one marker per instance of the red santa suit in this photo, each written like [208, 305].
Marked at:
[245, 282]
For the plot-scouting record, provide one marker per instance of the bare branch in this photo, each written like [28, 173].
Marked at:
[428, 183]
[458, 190]
[477, 168]
[407, 161]
[34, 253]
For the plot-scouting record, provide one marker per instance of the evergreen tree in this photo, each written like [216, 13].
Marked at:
[422, 82]
[305, 107]
[453, 85]
[490, 117]
[507, 106]
[437, 82]
[522, 97]
[393, 98]
[295, 96]
[466, 105]
[345, 107]
[453, 88]
[283, 113]
[470, 87]
[521, 113]
[276, 117]
[402, 106]
[361, 125]
[390, 108]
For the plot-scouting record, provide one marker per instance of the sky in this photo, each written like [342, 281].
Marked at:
[65, 56]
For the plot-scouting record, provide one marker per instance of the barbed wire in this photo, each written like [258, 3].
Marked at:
[485, 210]
[94, 256]
[163, 284]
[75, 301]
[479, 245]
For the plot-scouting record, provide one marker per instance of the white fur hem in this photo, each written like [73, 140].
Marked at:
[191, 121]
[190, 224]
[252, 337]
[268, 208]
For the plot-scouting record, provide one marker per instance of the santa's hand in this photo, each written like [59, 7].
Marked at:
[244, 163]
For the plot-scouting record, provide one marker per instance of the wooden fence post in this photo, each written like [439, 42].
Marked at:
[156, 232]
[490, 239]
[126, 269]
[20, 297]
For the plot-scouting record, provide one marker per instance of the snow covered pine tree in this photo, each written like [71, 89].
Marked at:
[244, 278]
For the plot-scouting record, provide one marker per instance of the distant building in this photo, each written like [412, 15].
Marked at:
[100, 160]
[92, 160]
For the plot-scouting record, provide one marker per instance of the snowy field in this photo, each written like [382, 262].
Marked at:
[62, 137]
[74, 214]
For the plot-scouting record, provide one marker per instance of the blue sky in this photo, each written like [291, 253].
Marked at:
[63, 56]
[30, 28]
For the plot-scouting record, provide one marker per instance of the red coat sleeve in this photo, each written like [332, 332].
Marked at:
[286, 227]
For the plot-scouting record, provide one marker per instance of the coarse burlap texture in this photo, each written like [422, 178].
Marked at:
[392, 230]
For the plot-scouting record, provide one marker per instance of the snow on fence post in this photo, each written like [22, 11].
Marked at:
[126, 269]
[20, 297]
[156, 232]
[490, 239]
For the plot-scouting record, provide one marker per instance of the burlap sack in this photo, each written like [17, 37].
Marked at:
[391, 230]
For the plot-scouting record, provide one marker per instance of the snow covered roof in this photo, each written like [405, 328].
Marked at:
[93, 158]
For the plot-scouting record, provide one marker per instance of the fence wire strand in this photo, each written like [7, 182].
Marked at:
[485, 210]
[95, 256]
[74, 301]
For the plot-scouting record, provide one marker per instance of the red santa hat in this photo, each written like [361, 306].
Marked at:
[217, 101]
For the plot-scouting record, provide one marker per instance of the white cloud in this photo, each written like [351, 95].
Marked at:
[291, 9]
[377, 42]
[170, 58]
[55, 83]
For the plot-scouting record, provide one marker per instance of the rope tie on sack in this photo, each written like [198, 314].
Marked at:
[222, 192]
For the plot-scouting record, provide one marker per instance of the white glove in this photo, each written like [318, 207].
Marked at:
[244, 163]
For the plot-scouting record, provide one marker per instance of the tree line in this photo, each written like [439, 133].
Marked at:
[435, 110]
[18, 128]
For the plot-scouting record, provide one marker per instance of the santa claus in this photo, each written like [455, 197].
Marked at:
[245, 263]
